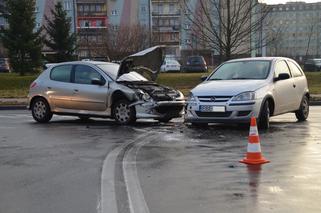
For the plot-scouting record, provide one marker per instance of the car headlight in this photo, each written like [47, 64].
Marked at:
[245, 96]
[143, 95]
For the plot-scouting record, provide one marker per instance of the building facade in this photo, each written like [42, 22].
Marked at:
[166, 24]
[296, 28]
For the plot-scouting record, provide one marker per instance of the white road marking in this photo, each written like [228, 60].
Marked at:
[108, 202]
[136, 198]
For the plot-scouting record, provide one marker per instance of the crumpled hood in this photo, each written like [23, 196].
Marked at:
[227, 87]
[146, 63]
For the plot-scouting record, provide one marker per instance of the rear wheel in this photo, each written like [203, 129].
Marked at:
[164, 120]
[264, 117]
[41, 110]
[303, 112]
[124, 114]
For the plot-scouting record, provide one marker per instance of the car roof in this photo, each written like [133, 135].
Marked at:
[85, 63]
[260, 59]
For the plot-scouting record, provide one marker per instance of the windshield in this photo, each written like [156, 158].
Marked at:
[242, 70]
[110, 69]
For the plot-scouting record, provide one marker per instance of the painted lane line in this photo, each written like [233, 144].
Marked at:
[136, 198]
[108, 201]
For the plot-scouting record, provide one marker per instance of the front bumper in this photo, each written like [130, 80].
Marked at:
[239, 112]
[160, 109]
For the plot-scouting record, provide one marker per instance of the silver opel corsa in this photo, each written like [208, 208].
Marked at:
[100, 89]
[242, 88]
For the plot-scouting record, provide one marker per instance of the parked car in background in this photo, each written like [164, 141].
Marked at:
[4, 65]
[125, 91]
[170, 65]
[242, 88]
[311, 65]
[195, 64]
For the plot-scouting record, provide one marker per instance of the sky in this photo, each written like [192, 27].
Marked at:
[284, 1]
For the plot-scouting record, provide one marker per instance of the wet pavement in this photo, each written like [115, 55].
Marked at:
[71, 166]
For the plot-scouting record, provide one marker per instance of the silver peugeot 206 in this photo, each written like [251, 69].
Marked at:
[242, 88]
[125, 91]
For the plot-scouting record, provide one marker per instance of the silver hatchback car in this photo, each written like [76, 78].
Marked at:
[242, 88]
[100, 89]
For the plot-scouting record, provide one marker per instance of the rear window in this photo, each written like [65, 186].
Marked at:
[196, 60]
[61, 73]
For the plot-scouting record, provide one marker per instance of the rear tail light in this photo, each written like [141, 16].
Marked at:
[33, 85]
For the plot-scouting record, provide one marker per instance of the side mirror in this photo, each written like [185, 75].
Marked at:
[96, 81]
[282, 76]
[204, 77]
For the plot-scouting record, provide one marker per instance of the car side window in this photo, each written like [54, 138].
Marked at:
[281, 67]
[61, 73]
[85, 74]
[296, 72]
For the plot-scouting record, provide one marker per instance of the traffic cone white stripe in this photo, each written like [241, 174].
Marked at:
[253, 147]
[254, 130]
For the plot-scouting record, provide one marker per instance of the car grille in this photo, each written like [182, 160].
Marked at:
[243, 113]
[169, 109]
[213, 114]
[214, 98]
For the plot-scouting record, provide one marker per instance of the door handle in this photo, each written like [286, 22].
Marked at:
[76, 90]
[49, 87]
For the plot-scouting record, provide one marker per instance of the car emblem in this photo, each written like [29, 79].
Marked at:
[212, 99]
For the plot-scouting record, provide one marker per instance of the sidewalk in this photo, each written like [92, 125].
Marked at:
[21, 103]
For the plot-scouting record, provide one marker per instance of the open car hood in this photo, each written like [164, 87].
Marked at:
[146, 63]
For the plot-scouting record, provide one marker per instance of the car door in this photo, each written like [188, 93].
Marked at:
[284, 90]
[59, 87]
[300, 82]
[86, 95]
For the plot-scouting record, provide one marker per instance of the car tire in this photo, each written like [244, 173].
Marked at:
[303, 113]
[41, 111]
[164, 120]
[264, 117]
[84, 118]
[123, 113]
[199, 125]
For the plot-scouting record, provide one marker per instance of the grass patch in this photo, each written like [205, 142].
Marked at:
[314, 81]
[15, 86]
[181, 81]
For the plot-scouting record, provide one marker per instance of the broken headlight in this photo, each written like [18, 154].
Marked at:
[143, 95]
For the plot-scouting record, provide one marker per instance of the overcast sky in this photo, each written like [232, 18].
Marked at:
[284, 1]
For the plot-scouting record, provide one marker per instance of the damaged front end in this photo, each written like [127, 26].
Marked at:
[156, 101]
[139, 72]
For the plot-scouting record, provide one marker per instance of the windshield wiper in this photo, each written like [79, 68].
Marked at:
[239, 78]
[215, 79]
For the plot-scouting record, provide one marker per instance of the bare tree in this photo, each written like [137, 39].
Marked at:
[117, 43]
[226, 26]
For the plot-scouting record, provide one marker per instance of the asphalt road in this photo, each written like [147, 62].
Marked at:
[71, 166]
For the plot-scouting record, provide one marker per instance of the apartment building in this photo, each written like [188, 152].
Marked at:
[166, 24]
[91, 25]
[296, 27]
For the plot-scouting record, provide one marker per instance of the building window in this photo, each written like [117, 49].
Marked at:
[114, 12]
[143, 9]
[67, 5]
[171, 8]
[188, 41]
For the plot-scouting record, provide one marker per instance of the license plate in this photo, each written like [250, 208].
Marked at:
[212, 108]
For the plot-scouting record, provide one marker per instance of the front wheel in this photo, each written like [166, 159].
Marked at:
[41, 110]
[303, 112]
[123, 113]
[264, 117]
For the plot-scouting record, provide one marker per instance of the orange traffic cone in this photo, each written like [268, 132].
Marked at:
[254, 155]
